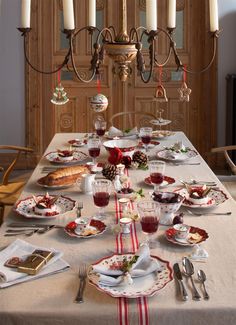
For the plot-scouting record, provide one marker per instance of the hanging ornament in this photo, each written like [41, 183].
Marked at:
[59, 94]
[160, 95]
[184, 91]
[99, 102]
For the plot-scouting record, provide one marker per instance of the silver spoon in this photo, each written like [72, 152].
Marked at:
[189, 271]
[202, 278]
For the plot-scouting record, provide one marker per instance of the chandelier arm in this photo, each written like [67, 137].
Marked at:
[152, 56]
[66, 59]
[107, 30]
[74, 66]
[162, 64]
[215, 36]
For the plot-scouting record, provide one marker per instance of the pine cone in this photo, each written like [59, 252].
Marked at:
[109, 171]
[140, 158]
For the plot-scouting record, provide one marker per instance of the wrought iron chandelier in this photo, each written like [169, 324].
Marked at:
[122, 47]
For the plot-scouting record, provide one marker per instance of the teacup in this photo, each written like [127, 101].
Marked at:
[81, 224]
[182, 231]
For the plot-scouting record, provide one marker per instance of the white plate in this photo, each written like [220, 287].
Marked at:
[162, 134]
[182, 156]
[78, 156]
[145, 286]
[54, 187]
[25, 207]
[77, 142]
[216, 197]
[160, 122]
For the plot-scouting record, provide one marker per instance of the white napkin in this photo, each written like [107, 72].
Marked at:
[114, 132]
[10, 276]
[144, 266]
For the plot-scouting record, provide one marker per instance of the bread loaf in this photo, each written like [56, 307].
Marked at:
[64, 176]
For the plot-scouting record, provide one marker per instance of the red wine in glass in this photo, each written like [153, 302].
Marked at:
[101, 199]
[149, 224]
[100, 132]
[94, 152]
[146, 139]
[157, 178]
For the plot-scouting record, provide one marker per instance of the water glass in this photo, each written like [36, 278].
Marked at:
[145, 134]
[101, 195]
[156, 170]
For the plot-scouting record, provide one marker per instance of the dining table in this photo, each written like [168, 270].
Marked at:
[50, 300]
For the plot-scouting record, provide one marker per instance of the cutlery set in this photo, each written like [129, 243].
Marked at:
[28, 229]
[188, 271]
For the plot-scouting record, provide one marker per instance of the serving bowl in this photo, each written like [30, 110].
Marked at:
[169, 204]
[126, 146]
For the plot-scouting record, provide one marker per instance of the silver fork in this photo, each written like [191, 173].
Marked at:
[198, 214]
[82, 277]
[79, 208]
[20, 233]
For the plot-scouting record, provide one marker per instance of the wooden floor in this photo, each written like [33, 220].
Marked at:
[228, 181]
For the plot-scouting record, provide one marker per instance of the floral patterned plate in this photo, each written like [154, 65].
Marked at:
[95, 228]
[78, 156]
[77, 142]
[145, 286]
[216, 197]
[195, 236]
[167, 181]
[177, 157]
[26, 207]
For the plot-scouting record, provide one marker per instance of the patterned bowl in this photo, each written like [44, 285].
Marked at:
[126, 146]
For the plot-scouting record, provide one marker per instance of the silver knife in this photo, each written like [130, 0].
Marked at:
[179, 277]
[32, 225]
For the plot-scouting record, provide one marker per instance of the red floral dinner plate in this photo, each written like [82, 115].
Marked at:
[94, 228]
[167, 181]
[195, 236]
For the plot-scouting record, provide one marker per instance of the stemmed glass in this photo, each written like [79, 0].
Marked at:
[145, 134]
[94, 146]
[100, 127]
[157, 170]
[101, 195]
[149, 212]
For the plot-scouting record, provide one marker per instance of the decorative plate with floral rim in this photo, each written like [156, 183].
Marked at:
[93, 228]
[145, 286]
[162, 134]
[26, 207]
[78, 156]
[216, 197]
[177, 157]
[77, 142]
[167, 181]
[195, 236]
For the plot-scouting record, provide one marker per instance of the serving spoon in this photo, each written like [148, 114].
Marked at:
[202, 278]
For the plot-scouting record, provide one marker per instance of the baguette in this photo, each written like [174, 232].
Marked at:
[64, 176]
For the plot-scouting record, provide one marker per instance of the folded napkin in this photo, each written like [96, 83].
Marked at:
[10, 276]
[143, 266]
[114, 132]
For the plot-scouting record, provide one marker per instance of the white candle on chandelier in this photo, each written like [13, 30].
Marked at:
[171, 23]
[151, 15]
[68, 14]
[92, 13]
[25, 13]
[214, 17]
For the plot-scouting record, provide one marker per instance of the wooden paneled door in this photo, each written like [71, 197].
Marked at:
[47, 47]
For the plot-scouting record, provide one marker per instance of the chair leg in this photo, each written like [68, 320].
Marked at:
[1, 213]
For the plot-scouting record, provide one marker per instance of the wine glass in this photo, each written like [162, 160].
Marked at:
[149, 212]
[145, 134]
[101, 195]
[157, 170]
[94, 146]
[100, 127]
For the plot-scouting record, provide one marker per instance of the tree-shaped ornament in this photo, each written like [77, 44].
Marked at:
[99, 102]
[59, 95]
[160, 95]
[184, 91]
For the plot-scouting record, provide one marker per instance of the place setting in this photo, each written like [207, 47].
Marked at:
[178, 153]
[66, 157]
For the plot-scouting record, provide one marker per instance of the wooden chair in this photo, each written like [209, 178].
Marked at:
[131, 119]
[10, 190]
[226, 154]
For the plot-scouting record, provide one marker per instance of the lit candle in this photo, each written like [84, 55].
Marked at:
[171, 23]
[25, 13]
[151, 15]
[214, 18]
[68, 14]
[92, 13]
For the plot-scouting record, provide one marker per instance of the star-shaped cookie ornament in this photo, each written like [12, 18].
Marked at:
[184, 92]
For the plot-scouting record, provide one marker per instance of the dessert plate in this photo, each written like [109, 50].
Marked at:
[162, 134]
[54, 157]
[77, 142]
[216, 197]
[26, 207]
[195, 236]
[167, 181]
[93, 228]
[145, 286]
[180, 156]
